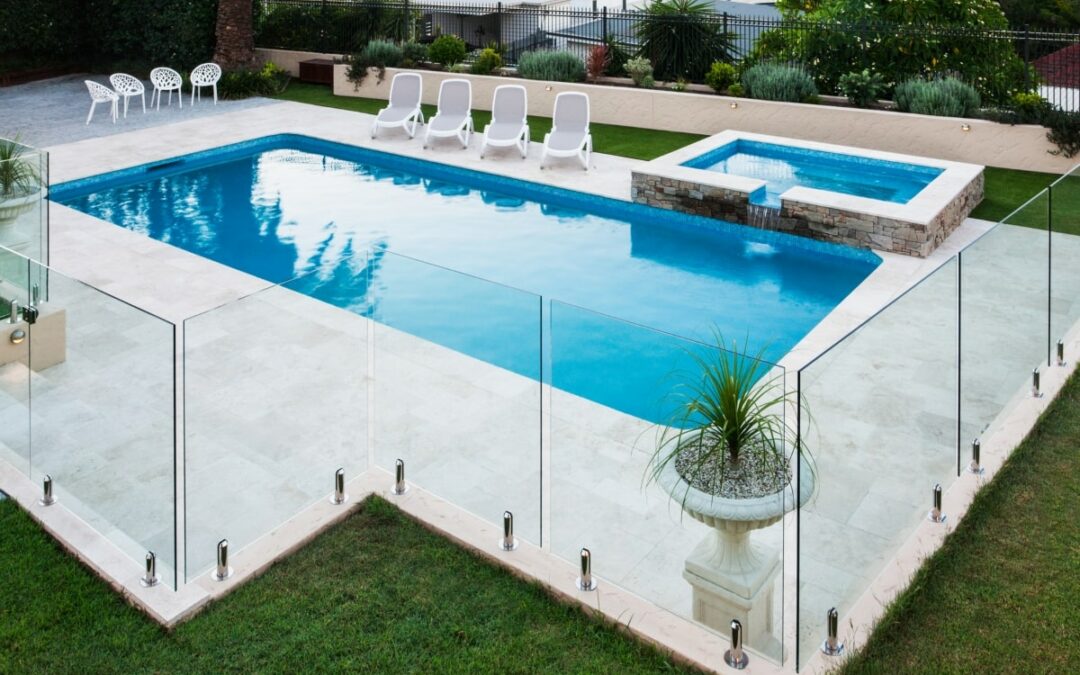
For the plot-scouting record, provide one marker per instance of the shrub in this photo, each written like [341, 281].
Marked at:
[270, 80]
[680, 84]
[328, 27]
[413, 54]
[378, 54]
[1030, 108]
[1064, 133]
[736, 90]
[901, 39]
[547, 65]
[597, 63]
[721, 76]
[862, 88]
[947, 97]
[617, 58]
[447, 50]
[640, 71]
[486, 62]
[680, 38]
[779, 82]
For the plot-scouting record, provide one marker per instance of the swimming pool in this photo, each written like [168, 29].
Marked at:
[562, 262]
[783, 167]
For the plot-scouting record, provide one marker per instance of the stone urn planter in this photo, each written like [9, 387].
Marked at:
[732, 577]
[722, 456]
[13, 207]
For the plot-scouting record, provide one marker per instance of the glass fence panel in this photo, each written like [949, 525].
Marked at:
[457, 364]
[1065, 258]
[275, 402]
[14, 362]
[1004, 314]
[24, 190]
[878, 424]
[103, 387]
[626, 448]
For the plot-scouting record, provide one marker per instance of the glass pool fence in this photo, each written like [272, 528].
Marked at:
[170, 438]
[899, 406]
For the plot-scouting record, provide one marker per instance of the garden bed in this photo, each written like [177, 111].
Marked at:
[1022, 147]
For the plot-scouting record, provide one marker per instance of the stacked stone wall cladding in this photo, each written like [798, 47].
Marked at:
[690, 197]
[824, 223]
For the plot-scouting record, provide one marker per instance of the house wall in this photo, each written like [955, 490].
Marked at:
[987, 143]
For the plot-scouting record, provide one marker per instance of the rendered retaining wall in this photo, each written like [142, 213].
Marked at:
[988, 143]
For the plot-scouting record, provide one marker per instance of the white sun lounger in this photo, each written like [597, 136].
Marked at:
[404, 109]
[454, 117]
[569, 136]
[509, 126]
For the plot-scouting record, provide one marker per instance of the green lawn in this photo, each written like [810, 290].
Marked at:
[1006, 189]
[1003, 594]
[377, 593]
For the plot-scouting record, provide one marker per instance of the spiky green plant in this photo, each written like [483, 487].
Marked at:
[733, 409]
[18, 176]
[682, 39]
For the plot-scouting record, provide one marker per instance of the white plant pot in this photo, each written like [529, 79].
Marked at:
[731, 577]
[13, 207]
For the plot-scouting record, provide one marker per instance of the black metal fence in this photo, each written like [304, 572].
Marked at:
[997, 61]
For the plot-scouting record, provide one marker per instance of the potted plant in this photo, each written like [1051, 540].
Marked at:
[725, 456]
[20, 182]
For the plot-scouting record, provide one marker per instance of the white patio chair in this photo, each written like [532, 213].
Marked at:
[127, 86]
[454, 116]
[166, 79]
[509, 125]
[99, 93]
[405, 90]
[569, 136]
[204, 75]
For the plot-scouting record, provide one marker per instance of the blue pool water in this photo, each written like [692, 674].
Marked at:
[783, 167]
[523, 276]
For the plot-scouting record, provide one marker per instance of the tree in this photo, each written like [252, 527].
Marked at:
[1054, 14]
[681, 39]
[900, 39]
[235, 35]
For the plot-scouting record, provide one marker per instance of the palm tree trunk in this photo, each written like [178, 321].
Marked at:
[235, 35]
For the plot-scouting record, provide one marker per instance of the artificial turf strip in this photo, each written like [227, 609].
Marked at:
[378, 592]
[607, 138]
[1003, 594]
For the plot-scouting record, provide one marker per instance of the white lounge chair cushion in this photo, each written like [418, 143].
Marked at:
[565, 141]
[395, 114]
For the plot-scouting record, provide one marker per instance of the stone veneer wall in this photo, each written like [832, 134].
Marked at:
[690, 197]
[823, 223]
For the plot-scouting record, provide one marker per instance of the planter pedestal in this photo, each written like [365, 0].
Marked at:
[732, 579]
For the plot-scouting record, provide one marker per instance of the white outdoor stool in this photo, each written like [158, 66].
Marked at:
[99, 93]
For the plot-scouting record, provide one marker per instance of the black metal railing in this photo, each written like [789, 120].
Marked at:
[1023, 59]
